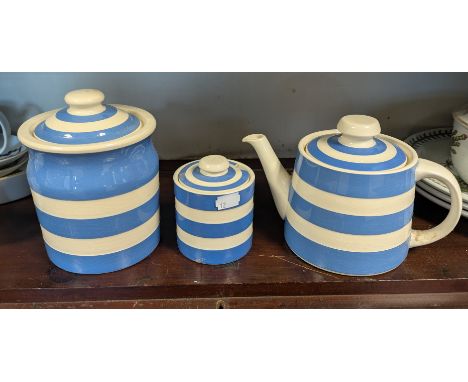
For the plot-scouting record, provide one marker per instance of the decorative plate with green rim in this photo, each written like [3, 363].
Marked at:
[435, 145]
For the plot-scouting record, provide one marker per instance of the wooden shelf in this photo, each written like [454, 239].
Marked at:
[270, 276]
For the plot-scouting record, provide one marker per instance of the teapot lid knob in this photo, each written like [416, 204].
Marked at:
[358, 130]
[85, 101]
[213, 165]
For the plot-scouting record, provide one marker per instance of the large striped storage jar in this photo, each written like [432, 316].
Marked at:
[94, 177]
[214, 209]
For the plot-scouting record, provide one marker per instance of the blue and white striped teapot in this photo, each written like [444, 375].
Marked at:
[94, 177]
[214, 209]
[349, 203]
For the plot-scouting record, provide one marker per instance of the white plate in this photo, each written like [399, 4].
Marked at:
[14, 166]
[434, 145]
[10, 157]
[437, 201]
[14, 186]
[438, 194]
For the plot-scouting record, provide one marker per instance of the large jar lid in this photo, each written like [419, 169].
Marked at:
[357, 147]
[214, 174]
[86, 125]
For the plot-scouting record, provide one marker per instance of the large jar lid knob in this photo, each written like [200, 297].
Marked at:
[358, 130]
[85, 101]
[213, 165]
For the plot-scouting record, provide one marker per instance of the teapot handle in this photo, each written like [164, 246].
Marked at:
[428, 169]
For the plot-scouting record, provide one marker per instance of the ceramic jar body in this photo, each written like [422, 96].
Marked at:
[99, 212]
[209, 231]
[347, 223]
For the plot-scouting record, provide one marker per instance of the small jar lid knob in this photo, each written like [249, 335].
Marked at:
[358, 130]
[213, 165]
[85, 101]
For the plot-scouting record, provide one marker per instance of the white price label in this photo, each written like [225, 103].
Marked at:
[228, 201]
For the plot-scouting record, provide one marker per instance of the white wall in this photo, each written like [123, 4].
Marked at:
[200, 113]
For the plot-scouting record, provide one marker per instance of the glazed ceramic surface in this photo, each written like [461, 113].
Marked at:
[94, 176]
[214, 209]
[349, 203]
[459, 145]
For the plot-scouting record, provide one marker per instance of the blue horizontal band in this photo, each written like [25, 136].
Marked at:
[215, 257]
[378, 148]
[243, 179]
[214, 230]
[355, 225]
[102, 227]
[212, 179]
[76, 138]
[354, 185]
[344, 262]
[65, 116]
[92, 176]
[394, 162]
[208, 202]
[104, 263]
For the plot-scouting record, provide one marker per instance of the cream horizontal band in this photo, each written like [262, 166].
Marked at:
[81, 111]
[191, 178]
[104, 245]
[98, 208]
[214, 217]
[68, 127]
[347, 242]
[352, 206]
[324, 147]
[217, 244]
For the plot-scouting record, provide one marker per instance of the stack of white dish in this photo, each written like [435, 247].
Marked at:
[435, 145]
[13, 161]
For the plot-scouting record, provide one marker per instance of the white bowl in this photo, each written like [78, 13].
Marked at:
[14, 166]
[14, 186]
[6, 159]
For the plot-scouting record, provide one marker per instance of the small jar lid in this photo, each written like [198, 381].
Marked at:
[357, 147]
[86, 125]
[214, 174]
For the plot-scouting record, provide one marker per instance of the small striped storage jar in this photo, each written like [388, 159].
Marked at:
[214, 209]
[94, 176]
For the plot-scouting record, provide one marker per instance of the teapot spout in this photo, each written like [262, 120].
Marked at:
[278, 178]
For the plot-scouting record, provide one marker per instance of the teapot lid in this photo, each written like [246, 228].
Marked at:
[357, 147]
[214, 174]
[86, 125]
